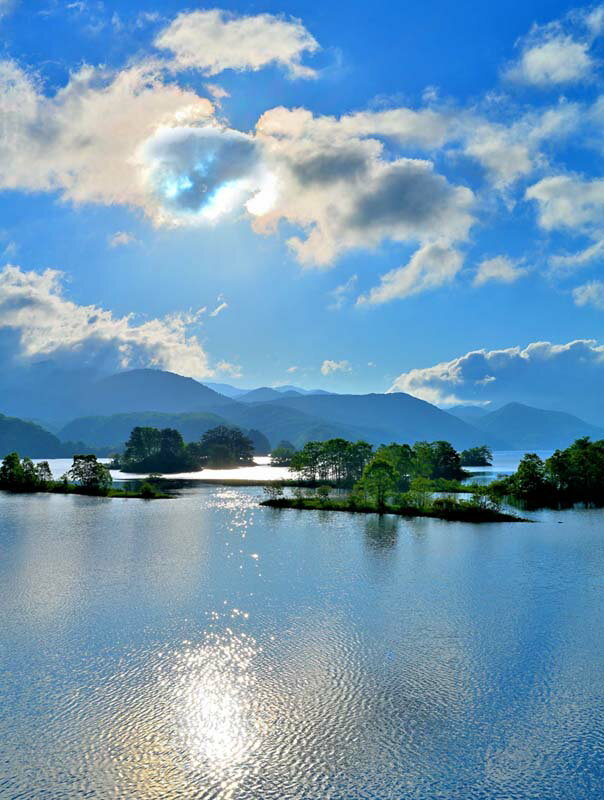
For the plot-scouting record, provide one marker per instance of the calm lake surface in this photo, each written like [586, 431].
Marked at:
[204, 647]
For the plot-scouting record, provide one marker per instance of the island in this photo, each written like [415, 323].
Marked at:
[87, 476]
[425, 479]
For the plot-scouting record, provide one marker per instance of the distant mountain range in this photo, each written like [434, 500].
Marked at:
[528, 428]
[103, 412]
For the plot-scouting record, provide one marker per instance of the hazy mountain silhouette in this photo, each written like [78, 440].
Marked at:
[526, 428]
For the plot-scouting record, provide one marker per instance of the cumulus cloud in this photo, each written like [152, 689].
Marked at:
[121, 239]
[557, 60]
[500, 269]
[558, 53]
[328, 367]
[201, 173]
[82, 142]
[569, 201]
[590, 294]
[567, 377]
[332, 179]
[213, 41]
[429, 267]
[47, 324]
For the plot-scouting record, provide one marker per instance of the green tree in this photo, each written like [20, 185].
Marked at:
[44, 473]
[142, 444]
[379, 480]
[477, 457]
[87, 472]
[281, 456]
[11, 472]
[226, 447]
[446, 462]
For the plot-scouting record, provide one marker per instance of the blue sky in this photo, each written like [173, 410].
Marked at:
[306, 193]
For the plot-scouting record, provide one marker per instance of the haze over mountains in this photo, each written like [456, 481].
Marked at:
[102, 413]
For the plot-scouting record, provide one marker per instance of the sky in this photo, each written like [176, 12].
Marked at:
[407, 197]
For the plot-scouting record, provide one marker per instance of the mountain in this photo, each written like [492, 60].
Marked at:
[226, 389]
[528, 428]
[149, 390]
[468, 413]
[391, 417]
[265, 394]
[299, 390]
[29, 439]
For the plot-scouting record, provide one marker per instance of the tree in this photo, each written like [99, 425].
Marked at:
[446, 462]
[274, 491]
[142, 444]
[529, 483]
[282, 455]
[11, 472]
[420, 492]
[323, 493]
[87, 472]
[226, 447]
[30, 474]
[379, 480]
[477, 457]
[44, 473]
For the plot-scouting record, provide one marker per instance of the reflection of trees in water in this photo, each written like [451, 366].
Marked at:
[381, 531]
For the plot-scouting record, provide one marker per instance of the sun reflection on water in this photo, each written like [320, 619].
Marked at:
[214, 707]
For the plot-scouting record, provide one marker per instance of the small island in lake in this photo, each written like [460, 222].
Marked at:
[424, 479]
[87, 476]
[154, 450]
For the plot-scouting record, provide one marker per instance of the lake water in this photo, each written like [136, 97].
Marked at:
[204, 647]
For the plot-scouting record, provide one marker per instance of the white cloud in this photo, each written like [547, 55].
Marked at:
[200, 174]
[501, 269]
[227, 368]
[581, 258]
[567, 377]
[219, 308]
[291, 370]
[342, 293]
[590, 294]
[213, 41]
[569, 201]
[328, 367]
[429, 267]
[121, 239]
[558, 53]
[33, 306]
[83, 141]
[559, 60]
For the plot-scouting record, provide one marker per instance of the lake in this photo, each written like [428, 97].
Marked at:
[204, 647]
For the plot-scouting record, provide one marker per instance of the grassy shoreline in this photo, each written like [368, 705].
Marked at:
[459, 514]
[58, 487]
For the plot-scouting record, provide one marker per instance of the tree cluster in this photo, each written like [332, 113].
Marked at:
[23, 475]
[155, 450]
[573, 475]
[335, 460]
[477, 456]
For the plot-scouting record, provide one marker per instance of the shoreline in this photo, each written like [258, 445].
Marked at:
[475, 515]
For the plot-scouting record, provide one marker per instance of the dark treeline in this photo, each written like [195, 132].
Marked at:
[574, 475]
[344, 463]
[155, 450]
